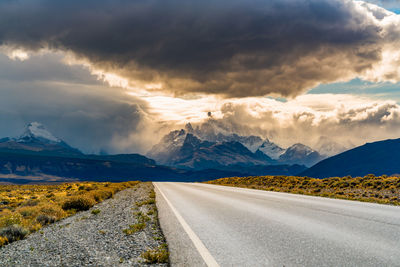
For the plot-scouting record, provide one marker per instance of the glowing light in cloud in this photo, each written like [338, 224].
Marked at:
[14, 53]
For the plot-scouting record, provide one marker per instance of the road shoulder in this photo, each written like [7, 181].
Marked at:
[181, 248]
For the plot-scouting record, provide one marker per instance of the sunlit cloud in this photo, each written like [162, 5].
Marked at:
[14, 53]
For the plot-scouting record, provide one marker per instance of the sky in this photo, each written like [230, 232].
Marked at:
[115, 76]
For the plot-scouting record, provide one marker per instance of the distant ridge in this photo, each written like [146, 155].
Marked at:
[197, 149]
[38, 156]
[378, 158]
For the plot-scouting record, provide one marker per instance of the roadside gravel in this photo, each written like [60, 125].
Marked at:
[88, 239]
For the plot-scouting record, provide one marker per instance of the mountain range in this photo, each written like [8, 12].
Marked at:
[190, 148]
[187, 155]
[37, 152]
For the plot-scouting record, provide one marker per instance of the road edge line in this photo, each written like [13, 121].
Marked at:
[201, 248]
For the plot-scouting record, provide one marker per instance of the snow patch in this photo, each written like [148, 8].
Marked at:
[37, 130]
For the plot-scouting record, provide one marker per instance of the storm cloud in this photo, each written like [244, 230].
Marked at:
[230, 48]
[73, 105]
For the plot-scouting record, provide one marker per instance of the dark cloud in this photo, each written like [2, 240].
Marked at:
[71, 104]
[232, 48]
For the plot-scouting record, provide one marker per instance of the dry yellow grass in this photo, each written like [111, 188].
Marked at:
[27, 208]
[382, 189]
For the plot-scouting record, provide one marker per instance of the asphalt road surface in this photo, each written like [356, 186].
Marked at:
[225, 226]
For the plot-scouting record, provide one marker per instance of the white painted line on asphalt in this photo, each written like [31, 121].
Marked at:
[205, 254]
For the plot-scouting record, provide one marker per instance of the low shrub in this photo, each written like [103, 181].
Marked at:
[33, 227]
[45, 219]
[32, 206]
[27, 212]
[78, 203]
[100, 195]
[4, 202]
[3, 241]
[52, 210]
[13, 232]
[382, 189]
[30, 203]
[8, 220]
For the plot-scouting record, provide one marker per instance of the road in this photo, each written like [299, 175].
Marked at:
[216, 225]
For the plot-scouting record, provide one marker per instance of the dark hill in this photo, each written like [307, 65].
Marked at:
[377, 158]
[116, 168]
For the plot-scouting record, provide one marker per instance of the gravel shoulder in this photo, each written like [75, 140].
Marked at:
[88, 239]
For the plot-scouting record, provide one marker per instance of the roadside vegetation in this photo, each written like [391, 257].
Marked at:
[27, 208]
[146, 220]
[158, 255]
[381, 189]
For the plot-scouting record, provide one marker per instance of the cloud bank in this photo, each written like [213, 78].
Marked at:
[90, 115]
[238, 48]
[344, 119]
[73, 105]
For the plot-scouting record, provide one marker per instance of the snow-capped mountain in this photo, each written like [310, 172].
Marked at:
[36, 131]
[197, 154]
[212, 133]
[271, 149]
[170, 144]
[189, 146]
[300, 154]
[36, 139]
[182, 148]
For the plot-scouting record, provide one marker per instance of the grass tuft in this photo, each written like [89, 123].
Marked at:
[95, 212]
[158, 255]
[134, 228]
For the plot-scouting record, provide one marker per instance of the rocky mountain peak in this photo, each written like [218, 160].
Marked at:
[37, 131]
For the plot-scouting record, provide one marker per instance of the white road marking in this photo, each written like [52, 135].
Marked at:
[201, 248]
